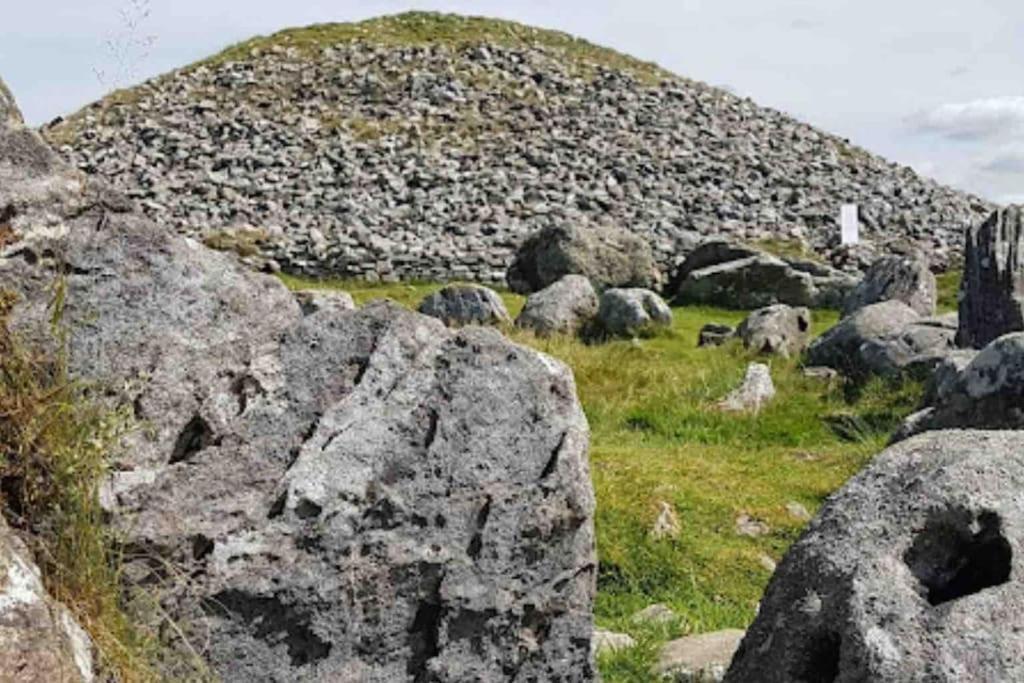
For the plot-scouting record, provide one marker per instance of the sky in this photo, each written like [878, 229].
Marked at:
[934, 84]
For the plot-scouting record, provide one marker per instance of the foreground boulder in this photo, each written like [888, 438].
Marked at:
[352, 496]
[40, 642]
[565, 307]
[626, 312]
[900, 278]
[992, 290]
[607, 256]
[850, 346]
[778, 329]
[723, 274]
[457, 305]
[976, 391]
[909, 573]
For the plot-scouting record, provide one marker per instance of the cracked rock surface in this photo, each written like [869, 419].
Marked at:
[320, 494]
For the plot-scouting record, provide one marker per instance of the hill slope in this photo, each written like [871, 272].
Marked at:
[426, 146]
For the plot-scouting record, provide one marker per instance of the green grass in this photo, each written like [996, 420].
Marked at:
[656, 436]
[949, 290]
[455, 31]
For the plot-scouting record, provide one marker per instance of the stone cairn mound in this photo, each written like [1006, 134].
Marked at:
[427, 147]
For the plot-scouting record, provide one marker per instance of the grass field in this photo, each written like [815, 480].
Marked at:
[658, 438]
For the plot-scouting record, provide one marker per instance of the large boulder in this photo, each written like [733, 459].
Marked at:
[626, 312]
[725, 274]
[607, 256]
[565, 307]
[345, 496]
[976, 391]
[843, 347]
[900, 278]
[466, 305]
[917, 349]
[909, 573]
[778, 329]
[40, 641]
[992, 290]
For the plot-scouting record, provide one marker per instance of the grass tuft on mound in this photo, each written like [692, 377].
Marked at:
[658, 438]
[452, 30]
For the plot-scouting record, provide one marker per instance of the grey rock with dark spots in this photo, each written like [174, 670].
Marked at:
[607, 256]
[851, 346]
[992, 289]
[908, 573]
[457, 305]
[565, 307]
[343, 496]
[900, 278]
[983, 390]
[778, 329]
[715, 334]
[626, 312]
[315, 300]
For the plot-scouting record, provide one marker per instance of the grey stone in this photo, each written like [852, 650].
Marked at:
[667, 523]
[705, 255]
[702, 658]
[40, 641]
[916, 349]
[605, 641]
[986, 393]
[900, 278]
[466, 305]
[843, 347]
[315, 300]
[778, 329]
[351, 496]
[751, 282]
[908, 573]
[565, 307]
[626, 312]
[9, 112]
[820, 373]
[715, 334]
[608, 257]
[992, 290]
[756, 390]
[655, 614]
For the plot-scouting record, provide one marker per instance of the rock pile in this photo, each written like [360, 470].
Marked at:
[371, 151]
[909, 573]
[342, 495]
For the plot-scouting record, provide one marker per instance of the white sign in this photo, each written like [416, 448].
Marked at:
[850, 224]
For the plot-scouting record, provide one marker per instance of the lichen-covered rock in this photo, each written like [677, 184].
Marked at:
[625, 312]
[900, 278]
[986, 393]
[352, 496]
[778, 329]
[40, 641]
[457, 305]
[908, 573]
[608, 257]
[565, 307]
[992, 289]
[916, 349]
[843, 346]
[756, 390]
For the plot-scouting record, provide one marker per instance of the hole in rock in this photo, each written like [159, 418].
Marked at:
[820, 663]
[201, 547]
[307, 509]
[958, 554]
[196, 436]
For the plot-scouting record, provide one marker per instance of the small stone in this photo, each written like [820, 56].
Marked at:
[657, 613]
[715, 334]
[767, 562]
[749, 526]
[610, 641]
[667, 524]
[698, 659]
[756, 390]
[798, 511]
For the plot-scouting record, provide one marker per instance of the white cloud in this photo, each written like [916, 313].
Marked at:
[974, 120]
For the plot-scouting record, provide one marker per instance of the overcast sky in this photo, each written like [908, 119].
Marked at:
[936, 84]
